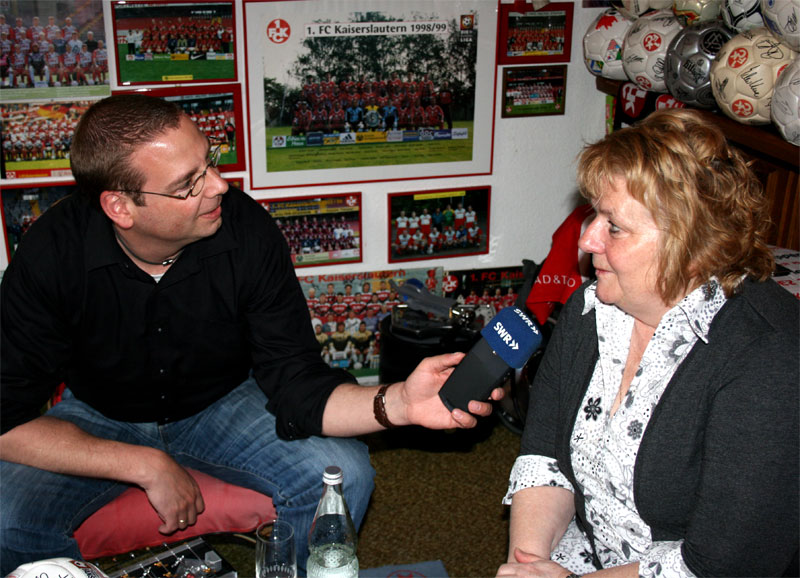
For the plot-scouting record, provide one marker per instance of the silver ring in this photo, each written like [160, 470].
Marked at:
[181, 521]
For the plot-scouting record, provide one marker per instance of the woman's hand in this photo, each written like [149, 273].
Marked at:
[532, 565]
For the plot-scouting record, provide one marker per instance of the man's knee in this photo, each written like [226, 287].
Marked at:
[24, 540]
[359, 476]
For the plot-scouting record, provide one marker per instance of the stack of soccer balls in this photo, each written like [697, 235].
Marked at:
[739, 56]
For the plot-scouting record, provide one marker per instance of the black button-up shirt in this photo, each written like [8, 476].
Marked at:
[76, 309]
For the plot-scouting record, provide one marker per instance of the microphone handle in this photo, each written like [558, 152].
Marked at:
[481, 371]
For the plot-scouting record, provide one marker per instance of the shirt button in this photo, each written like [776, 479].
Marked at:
[159, 330]
[163, 397]
[162, 371]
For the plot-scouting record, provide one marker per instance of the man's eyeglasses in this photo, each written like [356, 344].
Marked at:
[195, 187]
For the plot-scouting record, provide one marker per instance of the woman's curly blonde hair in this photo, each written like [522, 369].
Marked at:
[702, 194]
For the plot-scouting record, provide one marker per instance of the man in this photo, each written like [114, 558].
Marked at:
[445, 99]
[91, 43]
[169, 306]
[100, 63]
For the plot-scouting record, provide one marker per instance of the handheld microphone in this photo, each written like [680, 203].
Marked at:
[508, 341]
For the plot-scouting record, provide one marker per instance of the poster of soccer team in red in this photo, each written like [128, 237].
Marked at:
[361, 90]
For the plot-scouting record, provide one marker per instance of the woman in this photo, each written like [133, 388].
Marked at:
[662, 434]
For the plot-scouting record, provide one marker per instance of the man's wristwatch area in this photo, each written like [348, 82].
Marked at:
[379, 407]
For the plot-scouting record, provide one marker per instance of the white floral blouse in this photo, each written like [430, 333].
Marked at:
[604, 447]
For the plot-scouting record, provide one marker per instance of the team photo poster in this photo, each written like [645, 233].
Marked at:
[534, 90]
[323, 230]
[535, 36]
[217, 112]
[347, 309]
[369, 90]
[21, 206]
[53, 50]
[169, 42]
[37, 137]
[436, 224]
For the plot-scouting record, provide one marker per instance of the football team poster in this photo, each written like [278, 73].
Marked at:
[217, 112]
[37, 137]
[320, 230]
[168, 42]
[438, 224]
[534, 90]
[53, 50]
[346, 310]
[358, 90]
[21, 206]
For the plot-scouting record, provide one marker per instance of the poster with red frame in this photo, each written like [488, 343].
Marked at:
[217, 111]
[73, 51]
[438, 224]
[22, 205]
[346, 311]
[178, 41]
[37, 137]
[529, 36]
[321, 230]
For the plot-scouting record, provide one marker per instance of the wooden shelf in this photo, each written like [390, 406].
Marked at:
[761, 141]
[775, 162]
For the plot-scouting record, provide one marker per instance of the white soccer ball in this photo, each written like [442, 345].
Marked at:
[688, 64]
[744, 73]
[741, 15]
[693, 12]
[781, 17]
[58, 568]
[639, 7]
[645, 49]
[785, 107]
[602, 45]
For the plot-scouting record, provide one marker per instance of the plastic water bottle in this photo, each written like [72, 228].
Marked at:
[332, 539]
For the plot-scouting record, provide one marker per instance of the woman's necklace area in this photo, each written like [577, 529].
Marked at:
[164, 263]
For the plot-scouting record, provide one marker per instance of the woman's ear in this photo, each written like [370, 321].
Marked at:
[118, 207]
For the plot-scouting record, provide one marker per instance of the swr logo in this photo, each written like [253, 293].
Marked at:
[278, 31]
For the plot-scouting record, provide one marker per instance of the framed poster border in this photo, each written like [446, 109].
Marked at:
[177, 77]
[259, 15]
[81, 14]
[12, 187]
[504, 13]
[47, 111]
[302, 208]
[234, 89]
[507, 106]
[401, 250]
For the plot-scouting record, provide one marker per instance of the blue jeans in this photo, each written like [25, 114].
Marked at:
[234, 440]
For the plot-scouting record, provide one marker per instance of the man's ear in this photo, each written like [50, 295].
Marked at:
[118, 207]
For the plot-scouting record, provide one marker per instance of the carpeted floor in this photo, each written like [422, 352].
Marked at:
[437, 497]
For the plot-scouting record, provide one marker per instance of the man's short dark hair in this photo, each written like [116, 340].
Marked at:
[109, 132]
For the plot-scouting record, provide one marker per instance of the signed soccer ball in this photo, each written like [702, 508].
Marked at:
[693, 12]
[645, 49]
[785, 107]
[744, 73]
[57, 567]
[781, 17]
[639, 7]
[741, 15]
[602, 45]
[688, 64]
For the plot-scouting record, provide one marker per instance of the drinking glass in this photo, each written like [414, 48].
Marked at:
[275, 551]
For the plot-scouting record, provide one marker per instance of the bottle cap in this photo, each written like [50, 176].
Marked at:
[333, 475]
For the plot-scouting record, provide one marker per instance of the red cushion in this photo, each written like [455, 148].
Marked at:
[129, 522]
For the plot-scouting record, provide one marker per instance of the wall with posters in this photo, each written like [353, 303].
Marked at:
[532, 179]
